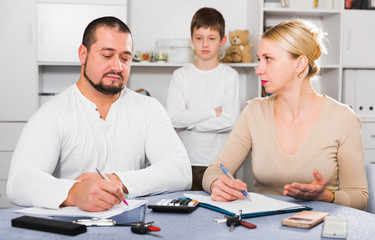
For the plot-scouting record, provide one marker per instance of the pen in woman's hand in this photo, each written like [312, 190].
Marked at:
[105, 178]
[229, 175]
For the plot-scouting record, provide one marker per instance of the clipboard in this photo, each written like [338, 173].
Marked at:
[134, 215]
[254, 209]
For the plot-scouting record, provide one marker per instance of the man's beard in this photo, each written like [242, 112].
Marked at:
[100, 87]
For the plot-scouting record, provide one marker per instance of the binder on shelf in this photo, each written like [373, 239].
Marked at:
[365, 97]
[349, 88]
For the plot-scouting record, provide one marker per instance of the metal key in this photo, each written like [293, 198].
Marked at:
[147, 224]
[234, 221]
[220, 220]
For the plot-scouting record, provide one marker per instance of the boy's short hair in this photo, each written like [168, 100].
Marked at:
[208, 18]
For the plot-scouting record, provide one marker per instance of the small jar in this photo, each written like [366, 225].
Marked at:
[284, 3]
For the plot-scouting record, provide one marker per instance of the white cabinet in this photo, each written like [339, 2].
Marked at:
[10, 131]
[359, 39]
[368, 132]
[359, 72]
[18, 78]
[368, 135]
[9, 134]
[61, 26]
[4, 164]
[4, 168]
[370, 155]
[3, 197]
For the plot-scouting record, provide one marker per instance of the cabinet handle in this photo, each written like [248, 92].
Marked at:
[372, 135]
[349, 38]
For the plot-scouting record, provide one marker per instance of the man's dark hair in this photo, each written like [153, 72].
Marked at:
[89, 36]
[208, 18]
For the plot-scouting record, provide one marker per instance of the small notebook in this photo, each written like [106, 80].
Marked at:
[259, 206]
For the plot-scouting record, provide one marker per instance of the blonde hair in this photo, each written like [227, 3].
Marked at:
[299, 37]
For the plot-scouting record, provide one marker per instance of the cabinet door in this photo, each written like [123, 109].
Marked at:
[368, 131]
[5, 158]
[3, 195]
[359, 38]
[18, 78]
[61, 27]
[370, 156]
[9, 134]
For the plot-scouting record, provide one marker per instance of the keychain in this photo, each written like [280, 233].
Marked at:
[145, 228]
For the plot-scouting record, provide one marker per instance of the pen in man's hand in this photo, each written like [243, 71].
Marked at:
[229, 175]
[105, 178]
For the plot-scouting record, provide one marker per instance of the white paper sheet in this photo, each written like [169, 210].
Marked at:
[76, 212]
[258, 204]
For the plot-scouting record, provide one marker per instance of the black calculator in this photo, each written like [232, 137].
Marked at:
[180, 205]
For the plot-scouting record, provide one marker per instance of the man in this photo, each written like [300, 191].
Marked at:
[98, 123]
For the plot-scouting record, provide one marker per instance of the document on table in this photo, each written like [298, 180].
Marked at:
[76, 212]
[259, 205]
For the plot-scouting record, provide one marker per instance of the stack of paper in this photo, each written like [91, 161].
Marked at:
[76, 212]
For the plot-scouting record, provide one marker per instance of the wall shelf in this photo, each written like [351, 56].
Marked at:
[302, 12]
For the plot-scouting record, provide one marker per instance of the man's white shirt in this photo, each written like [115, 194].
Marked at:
[67, 137]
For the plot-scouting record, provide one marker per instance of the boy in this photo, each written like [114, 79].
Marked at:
[203, 99]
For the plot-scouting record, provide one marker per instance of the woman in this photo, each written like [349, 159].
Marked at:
[303, 144]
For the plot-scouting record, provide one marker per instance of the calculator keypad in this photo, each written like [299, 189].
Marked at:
[175, 205]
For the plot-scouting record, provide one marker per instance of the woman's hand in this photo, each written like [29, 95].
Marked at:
[313, 191]
[224, 189]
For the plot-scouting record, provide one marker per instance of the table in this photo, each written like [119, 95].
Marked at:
[200, 225]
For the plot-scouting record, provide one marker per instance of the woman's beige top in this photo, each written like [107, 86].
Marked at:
[334, 147]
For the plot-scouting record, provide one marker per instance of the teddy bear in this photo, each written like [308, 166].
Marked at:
[239, 51]
[235, 54]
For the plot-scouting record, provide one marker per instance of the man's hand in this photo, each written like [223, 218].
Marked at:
[224, 189]
[94, 194]
[93, 175]
[313, 191]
